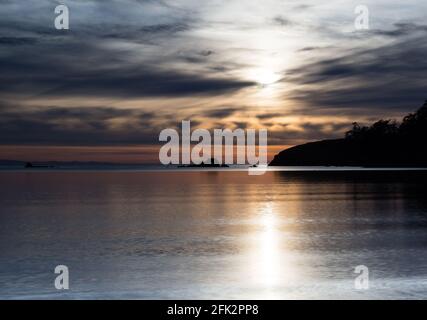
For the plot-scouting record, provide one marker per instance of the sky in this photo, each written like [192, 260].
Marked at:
[127, 69]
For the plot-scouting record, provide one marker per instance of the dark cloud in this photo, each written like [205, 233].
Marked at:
[207, 53]
[200, 57]
[241, 125]
[165, 28]
[17, 41]
[303, 6]
[282, 21]
[193, 59]
[144, 83]
[148, 34]
[377, 80]
[86, 69]
[75, 126]
[84, 61]
[222, 113]
[401, 30]
[308, 49]
[266, 116]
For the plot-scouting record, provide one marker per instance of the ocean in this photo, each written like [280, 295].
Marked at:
[190, 234]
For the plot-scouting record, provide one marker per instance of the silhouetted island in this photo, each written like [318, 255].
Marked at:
[212, 163]
[386, 143]
[29, 165]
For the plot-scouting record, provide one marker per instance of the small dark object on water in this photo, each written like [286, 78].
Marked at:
[30, 165]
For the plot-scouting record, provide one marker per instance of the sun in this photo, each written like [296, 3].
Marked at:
[265, 77]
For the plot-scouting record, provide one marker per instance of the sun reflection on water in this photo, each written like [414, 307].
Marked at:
[272, 269]
[268, 246]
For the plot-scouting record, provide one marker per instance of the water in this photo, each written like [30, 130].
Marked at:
[213, 235]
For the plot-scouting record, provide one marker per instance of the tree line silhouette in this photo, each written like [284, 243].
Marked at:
[413, 128]
[386, 143]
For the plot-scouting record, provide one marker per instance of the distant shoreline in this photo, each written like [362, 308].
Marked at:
[159, 168]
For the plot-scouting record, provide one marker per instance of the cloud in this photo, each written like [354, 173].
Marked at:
[207, 53]
[202, 58]
[400, 30]
[165, 28]
[307, 131]
[393, 76]
[90, 70]
[103, 54]
[127, 49]
[17, 41]
[222, 113]
[266, 116]
[282, 21]
[76, 126]
[143, 83]
[308, 49]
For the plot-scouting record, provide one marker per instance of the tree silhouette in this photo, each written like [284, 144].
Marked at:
[386, 143]
[413, 127]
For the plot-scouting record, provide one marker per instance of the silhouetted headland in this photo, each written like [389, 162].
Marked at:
[386, 143]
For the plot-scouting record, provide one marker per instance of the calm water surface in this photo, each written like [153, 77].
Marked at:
[213, 235]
